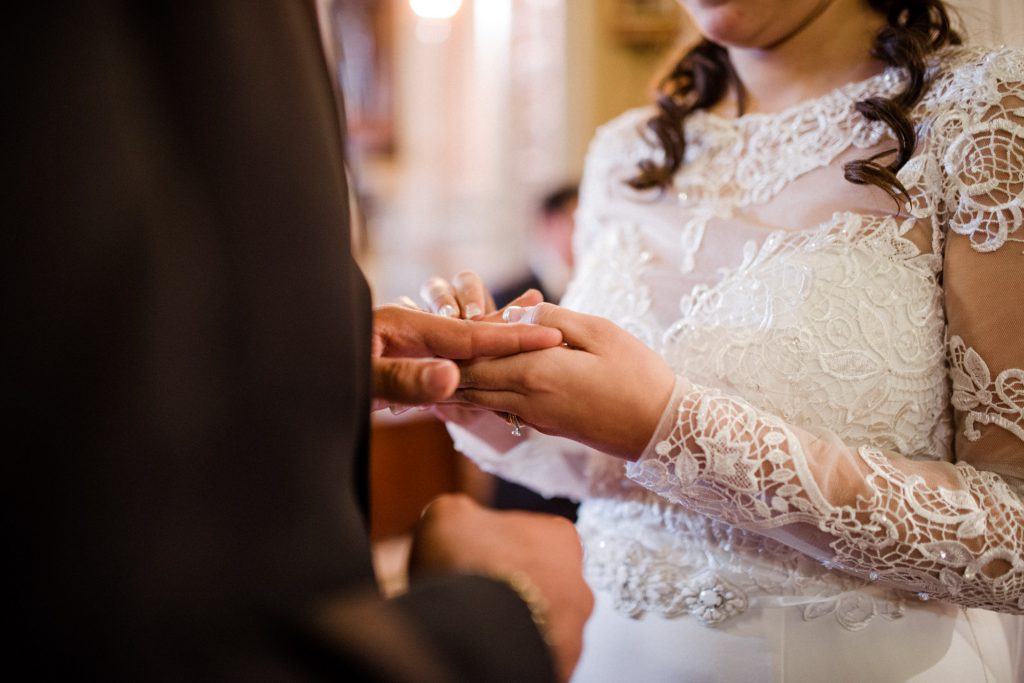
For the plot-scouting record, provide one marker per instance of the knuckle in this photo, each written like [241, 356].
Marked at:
[533, 377]
[453, 498]
[384, 375]
[401, 375]
[451, 503]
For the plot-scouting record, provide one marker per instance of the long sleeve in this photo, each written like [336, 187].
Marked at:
[948, 531]
[952, 532]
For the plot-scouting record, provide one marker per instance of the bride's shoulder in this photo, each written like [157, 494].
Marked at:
[629, 122]
[975, 59]
[623, 138]
[975, 76]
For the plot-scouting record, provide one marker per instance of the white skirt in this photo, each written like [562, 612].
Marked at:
[930, 643]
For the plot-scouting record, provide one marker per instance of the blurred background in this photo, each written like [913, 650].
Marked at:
[464, 116]
[464, 113]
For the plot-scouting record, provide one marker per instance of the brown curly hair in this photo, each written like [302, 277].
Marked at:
[702, 77]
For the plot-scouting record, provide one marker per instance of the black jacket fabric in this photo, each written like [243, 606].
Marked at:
[190, 365]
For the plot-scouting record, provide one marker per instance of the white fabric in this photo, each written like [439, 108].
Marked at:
[818, 362]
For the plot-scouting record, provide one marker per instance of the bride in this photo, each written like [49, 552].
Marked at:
[791, 399]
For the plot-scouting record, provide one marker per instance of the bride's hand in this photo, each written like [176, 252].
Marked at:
[602, 387]
[463, 297]
[466, 296]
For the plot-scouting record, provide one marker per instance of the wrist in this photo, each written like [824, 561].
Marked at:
[532, 597]
[667, 418]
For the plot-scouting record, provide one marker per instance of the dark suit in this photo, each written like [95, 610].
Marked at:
[191, 365]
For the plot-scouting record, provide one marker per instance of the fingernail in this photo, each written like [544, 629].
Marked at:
[512, 314]
[518, 314]
[472, 311]
[436, 376]
[448, 311]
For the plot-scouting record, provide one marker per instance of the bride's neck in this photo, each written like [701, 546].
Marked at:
[830, 49]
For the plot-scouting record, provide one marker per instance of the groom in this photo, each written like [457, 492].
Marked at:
[191, 377]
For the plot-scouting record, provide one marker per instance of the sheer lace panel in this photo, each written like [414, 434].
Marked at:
[945, 531]
[984, 275]
[985, 312]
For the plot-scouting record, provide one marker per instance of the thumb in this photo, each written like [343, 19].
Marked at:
[412, 381]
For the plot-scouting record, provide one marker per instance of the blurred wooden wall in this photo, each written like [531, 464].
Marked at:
[412, 461]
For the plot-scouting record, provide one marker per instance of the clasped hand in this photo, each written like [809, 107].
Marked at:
[601, 386]
[412, 350]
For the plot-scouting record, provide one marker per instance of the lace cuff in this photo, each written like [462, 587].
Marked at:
[945, 531]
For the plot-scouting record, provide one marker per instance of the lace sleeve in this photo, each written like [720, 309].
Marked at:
[982, 274]
[946, 531]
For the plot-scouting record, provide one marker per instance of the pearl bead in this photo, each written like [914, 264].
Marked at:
[709, 597]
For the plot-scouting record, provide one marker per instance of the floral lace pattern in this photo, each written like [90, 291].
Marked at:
[833, 330]
[982, 398]
[725, 170]
[615, 265]
[808, 326]
[652, 557]
[989, 210]
[724, 458]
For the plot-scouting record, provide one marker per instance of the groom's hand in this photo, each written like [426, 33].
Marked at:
[456, 534]
[411, 348]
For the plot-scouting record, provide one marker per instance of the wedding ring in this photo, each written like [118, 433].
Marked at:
[516, 422]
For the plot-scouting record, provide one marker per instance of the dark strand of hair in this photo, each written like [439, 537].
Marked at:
[704, 74]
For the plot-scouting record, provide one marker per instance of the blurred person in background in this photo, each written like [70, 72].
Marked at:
[550, 248]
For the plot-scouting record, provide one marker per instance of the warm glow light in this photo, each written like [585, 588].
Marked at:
[435, 9]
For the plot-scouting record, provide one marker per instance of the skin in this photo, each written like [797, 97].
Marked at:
[625, 383]
[618, 375]
[787, 51]
[411, 348]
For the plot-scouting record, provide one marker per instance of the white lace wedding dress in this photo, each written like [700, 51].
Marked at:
[798, 516]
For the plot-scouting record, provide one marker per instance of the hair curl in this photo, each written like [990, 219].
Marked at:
[701, 78]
